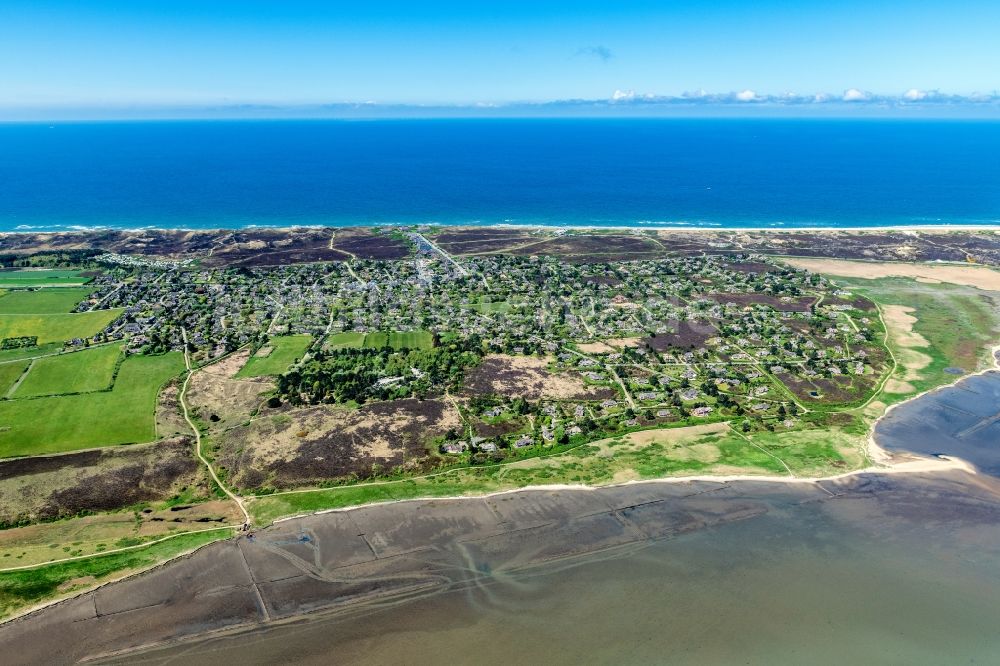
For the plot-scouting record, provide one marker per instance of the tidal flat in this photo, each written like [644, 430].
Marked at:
[880, 568]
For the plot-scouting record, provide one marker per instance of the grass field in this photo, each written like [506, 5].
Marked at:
[76, 372]
[42, 301]
[122, 415]
[56, 327]
[400, 339]
[41, 278]
[25, 588]
[497, 307]
[345, 340]
[285, 350]
[9, 373]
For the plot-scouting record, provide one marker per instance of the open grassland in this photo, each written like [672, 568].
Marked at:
[276, 356]
[22, 589]
[643, 455]
[123, 415]
[345, 340]
[56, 327]
[77, 372]
[42, 278]
[400, 340]
[9, 374]
[42, 301]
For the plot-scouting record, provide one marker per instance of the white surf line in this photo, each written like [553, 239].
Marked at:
[182, 398]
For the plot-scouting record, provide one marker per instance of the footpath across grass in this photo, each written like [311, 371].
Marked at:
[123, 415]
[22, 589]
[276, 356]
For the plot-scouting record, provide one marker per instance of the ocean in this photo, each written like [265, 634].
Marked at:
[614, 172]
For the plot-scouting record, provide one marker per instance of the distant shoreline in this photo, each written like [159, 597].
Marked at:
[534, 226]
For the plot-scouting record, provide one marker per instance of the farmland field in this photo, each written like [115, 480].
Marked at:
[76, 372]
[42, 301]
[285, 350]
[400, 340]
[40, 278]
[123, 415]
[56, 327]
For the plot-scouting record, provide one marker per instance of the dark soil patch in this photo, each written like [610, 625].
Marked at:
[799, 304]
[686, 336]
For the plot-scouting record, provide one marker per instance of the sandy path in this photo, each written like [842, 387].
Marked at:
[969, 276]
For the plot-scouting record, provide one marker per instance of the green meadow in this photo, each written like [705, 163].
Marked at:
[123, 415]
[42, 278]
[56, 327]
[400, 340]
[42, 301]
[47, 314]
[345, 340]
[285, 350]
[77, 372]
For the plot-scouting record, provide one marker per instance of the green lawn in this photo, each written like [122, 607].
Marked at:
[76, 372]
[41, 278]
[345, 340]
[56, 327]
[123, 415]
[42, 301]
[285, 350]
[498, 307]
[9, 373]
[400, 339]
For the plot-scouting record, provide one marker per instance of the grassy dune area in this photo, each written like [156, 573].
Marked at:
[77, 372]
[42, 301]
[932, 327]
[275, 357]
[642, 455]
[23, 588]
[122, 415]
[42, 278]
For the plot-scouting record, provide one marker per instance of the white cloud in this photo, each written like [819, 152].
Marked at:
[855, 95]
[621, 95]
[746, 96]
[914, 95]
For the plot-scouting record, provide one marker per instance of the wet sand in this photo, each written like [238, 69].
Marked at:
[961, 420]
[894, 567]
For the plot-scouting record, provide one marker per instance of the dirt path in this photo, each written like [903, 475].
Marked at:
[182, 398]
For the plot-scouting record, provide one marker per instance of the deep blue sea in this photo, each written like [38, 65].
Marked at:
[655, 172]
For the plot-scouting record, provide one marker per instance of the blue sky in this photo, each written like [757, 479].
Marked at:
[178, 52]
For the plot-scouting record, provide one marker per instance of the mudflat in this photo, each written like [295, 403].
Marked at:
[328, 567]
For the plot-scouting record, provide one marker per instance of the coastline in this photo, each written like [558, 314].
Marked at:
[681, 227]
